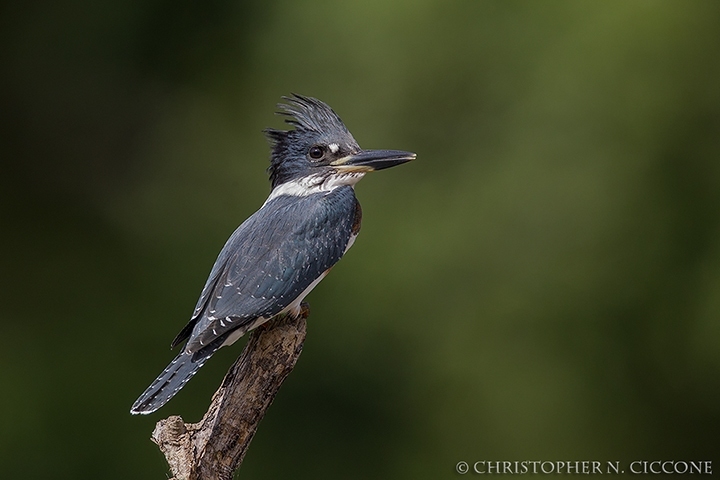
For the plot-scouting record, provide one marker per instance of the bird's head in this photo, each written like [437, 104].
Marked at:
[320, 144]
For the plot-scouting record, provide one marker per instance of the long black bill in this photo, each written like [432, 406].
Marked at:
[370, 160]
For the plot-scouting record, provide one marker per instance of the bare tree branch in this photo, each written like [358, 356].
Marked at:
[214, 448]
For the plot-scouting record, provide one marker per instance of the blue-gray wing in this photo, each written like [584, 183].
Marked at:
[270, 260]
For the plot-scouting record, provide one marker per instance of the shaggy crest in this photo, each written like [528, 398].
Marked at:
[309, 116]
[307, 113]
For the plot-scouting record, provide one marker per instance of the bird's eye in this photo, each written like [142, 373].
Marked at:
[316, 152]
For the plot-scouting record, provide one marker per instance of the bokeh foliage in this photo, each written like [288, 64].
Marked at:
[543, 283]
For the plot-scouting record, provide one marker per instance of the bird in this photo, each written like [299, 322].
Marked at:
[283, 250]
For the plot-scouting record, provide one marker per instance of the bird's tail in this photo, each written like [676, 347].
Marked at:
[172, 379]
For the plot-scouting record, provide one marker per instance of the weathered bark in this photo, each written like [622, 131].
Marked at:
[214, 448]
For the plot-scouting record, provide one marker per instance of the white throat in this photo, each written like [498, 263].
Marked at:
[312, 184]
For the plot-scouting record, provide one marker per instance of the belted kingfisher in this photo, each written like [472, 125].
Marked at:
[282, 251]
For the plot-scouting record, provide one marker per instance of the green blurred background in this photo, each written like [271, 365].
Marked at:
[543, 283]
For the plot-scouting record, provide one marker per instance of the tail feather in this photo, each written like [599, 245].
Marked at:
[172, 379]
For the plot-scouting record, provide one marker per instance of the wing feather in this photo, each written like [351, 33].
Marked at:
[270, 260]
